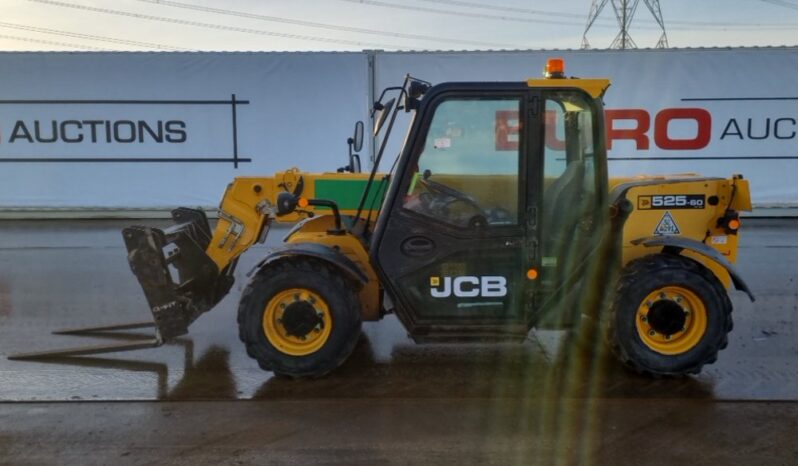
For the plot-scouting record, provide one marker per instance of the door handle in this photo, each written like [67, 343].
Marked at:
[417, 246]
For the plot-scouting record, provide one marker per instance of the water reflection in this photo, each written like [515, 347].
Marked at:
[521, 372]
[482, 371]
[210, 378]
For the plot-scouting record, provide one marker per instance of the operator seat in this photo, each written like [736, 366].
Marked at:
[562, 210]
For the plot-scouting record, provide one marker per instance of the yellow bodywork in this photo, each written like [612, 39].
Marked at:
[595, 87]
[699, 224]
[249, 203]
[315, 231]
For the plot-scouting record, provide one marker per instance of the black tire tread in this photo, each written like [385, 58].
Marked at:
[657, 263]
[307, 267]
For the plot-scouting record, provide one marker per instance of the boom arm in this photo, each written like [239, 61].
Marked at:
[250, 203]
[185, 270]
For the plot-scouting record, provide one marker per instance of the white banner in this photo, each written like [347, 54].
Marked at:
[164, 129]
[133, 130]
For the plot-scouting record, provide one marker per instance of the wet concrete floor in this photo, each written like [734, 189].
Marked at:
[393, 402]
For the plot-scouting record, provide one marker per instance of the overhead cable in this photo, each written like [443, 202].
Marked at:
[312, 24]
[218, 27]
[465, 14]
[52, 42]
[681, 25]
[782, 3]
[510, 9]
[88, 36]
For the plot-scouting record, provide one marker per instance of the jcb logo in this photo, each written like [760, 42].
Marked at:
[468, 287]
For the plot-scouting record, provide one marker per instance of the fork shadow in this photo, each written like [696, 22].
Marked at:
[208, 377]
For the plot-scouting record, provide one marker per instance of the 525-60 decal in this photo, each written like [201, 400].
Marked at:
[671, 201]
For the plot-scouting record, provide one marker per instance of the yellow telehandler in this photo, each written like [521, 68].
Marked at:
[496, 217]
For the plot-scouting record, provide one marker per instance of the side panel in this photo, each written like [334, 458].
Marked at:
[684, 212]
[688, 208]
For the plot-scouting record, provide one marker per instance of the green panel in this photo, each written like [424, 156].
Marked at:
[347, 193]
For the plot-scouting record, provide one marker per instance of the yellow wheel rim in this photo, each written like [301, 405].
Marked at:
[297, 321]
[671, 320]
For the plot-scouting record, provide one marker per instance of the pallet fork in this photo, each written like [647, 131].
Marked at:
[102, 332]
[179, 281]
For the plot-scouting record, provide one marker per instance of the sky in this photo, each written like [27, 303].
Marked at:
[346, 25]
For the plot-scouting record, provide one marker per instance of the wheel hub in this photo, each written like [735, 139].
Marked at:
[671, 320]
[297, 321]
[666, 317]
[300, 318]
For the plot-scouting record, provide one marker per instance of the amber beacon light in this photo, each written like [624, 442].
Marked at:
[555, 68]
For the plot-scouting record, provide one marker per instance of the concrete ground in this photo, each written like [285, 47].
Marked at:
[201, 400]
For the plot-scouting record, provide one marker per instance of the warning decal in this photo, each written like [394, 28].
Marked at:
[667, 226]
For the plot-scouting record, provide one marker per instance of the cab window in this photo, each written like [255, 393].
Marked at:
[467, 172]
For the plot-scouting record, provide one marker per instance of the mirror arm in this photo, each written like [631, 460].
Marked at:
[379, 101]
[380, 153]
[350, 141]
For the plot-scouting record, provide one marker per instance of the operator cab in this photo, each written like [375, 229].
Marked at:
[491, 209]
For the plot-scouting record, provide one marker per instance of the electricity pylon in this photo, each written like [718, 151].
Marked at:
[624, 12]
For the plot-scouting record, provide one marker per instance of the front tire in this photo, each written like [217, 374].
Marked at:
[670, 316]
[299, 318]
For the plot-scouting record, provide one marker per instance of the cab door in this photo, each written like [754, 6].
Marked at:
[572, 179]
[453, 246]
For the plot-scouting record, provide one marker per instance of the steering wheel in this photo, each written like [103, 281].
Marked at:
[443, 190]
[442, 196]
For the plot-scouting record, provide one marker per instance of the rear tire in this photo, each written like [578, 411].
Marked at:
[299, 318]
[670, 316]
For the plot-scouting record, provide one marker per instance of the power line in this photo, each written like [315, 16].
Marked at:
[462, 13]
[693, 25]
[510, 9]
[88, 36]
[332, 27]
[218, 27]
[685, 24]
[579, 16]
[733, 26]
[52, 42]
[738, 27]
[574, 15]
[782, 3]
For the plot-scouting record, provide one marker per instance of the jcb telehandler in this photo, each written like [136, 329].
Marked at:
[496, 217]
